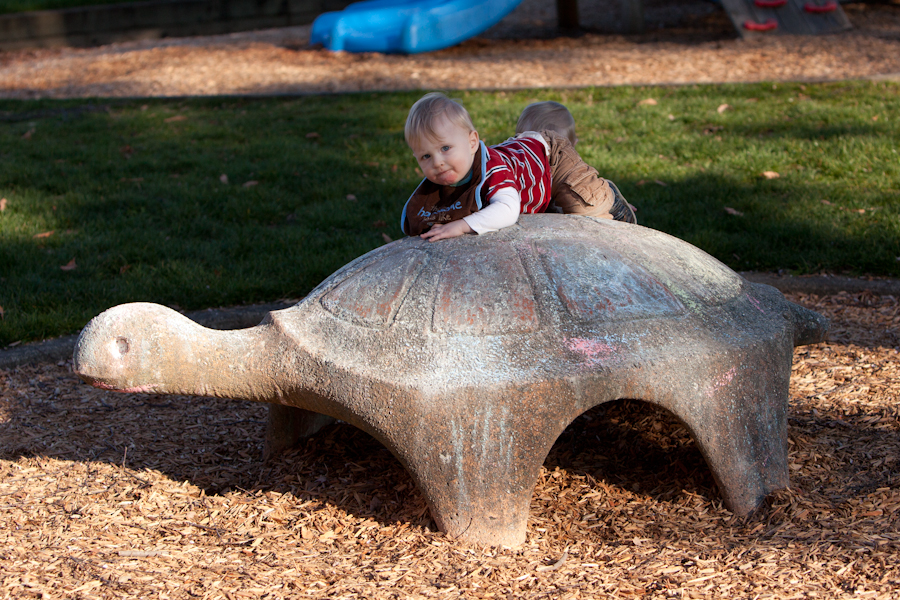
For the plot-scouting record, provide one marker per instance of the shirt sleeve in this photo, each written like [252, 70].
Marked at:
[502, 211]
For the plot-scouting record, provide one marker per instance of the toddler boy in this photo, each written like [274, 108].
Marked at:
[469, 187]
[577, 187]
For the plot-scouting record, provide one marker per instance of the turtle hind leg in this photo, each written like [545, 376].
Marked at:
[740, 425]
[287, 425]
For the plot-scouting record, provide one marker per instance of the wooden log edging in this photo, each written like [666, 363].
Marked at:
[105, 24]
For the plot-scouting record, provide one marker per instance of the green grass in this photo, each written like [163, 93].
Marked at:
[131, 189]
[14, 6]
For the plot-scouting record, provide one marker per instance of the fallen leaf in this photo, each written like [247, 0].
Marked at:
[250, 183]
[393, 168]
[14, 344]
[46, 234]
[123, 269]
[827, 202]
[176, 118]
[27, 135]
[722, 108]
[648, 102]
[126, 151]
[387, 238]
[379, 224]
[671, 117]
[351, 197]
[875, 118]
[133, 179]
[658, 182]
[69, 266]
[223, 178]
[641, 182]
[861, 211]
[2, 313]
[734, 212]
[2, 204]
[312, 135]
[770, 175]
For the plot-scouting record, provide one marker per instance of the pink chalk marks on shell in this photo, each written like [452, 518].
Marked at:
[721, 381]
[593, 351]
[755, 303]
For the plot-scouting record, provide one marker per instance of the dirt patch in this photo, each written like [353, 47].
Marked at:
[106, 495]
[687, 42]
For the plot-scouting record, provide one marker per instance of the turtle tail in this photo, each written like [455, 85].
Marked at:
[809, 326]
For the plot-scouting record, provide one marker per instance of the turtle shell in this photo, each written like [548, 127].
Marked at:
[512, 297]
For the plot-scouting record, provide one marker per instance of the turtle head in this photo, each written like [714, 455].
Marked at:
[143, 347]
[133, 347]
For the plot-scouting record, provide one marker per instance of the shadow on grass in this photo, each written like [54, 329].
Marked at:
[751, 223]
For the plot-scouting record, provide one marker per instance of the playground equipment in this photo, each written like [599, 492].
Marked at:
[800, 17]
[468, 358]
[412, 26]
[408, 26]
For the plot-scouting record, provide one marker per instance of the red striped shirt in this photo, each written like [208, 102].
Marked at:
[522, 164]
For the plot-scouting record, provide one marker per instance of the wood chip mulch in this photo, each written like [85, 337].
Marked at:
[106, 495]
[689, 41]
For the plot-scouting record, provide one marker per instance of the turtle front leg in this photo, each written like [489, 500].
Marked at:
[477, 458]
[287, 425]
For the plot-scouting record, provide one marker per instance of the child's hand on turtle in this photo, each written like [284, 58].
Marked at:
[443, 231]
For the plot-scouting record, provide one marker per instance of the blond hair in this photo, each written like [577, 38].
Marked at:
[428, 110]
[541, 116]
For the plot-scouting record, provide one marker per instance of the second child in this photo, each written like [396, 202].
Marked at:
[577, 187]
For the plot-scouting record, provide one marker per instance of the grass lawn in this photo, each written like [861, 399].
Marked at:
[209, 202]
[14, 6]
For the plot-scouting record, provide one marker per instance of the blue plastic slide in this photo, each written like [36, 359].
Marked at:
[407, 26]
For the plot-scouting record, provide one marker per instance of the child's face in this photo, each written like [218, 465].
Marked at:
[446, 159]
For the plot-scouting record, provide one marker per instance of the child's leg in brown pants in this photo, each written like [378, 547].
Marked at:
[578, 189]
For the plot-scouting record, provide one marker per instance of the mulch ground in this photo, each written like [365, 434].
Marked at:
[106, 495]
[689, 41]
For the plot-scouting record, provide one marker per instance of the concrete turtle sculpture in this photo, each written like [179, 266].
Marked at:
[468, 357]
